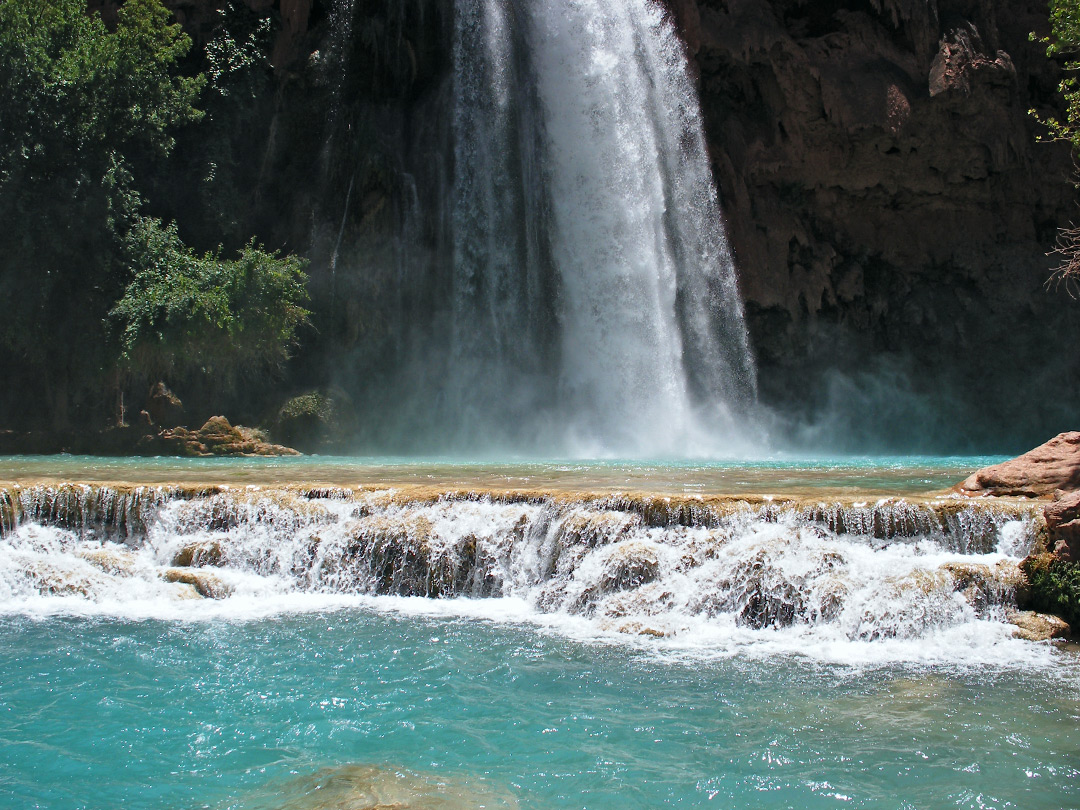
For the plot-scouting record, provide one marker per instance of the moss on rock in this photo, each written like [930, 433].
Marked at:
[1054, 586]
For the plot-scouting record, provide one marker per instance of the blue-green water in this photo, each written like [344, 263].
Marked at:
[881, 475]
[107, 713]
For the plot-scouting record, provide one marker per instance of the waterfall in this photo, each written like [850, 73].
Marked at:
[683, 568]
[595, 299]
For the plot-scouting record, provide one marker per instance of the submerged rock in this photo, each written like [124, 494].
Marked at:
[1038, 626]
[368, 787]
[1049, 467]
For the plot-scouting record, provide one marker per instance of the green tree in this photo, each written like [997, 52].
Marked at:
[1064, 43]
[89, 284]
[185, 313]
[78, 106]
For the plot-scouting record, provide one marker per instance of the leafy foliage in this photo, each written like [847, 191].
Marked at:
[78, 103]
[87, 280]
[1055, 587]
[1064, 43]
[183, 312]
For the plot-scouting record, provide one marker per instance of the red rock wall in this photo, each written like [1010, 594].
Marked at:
[865, 150]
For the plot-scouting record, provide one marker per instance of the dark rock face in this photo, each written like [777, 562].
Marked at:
[889, 206]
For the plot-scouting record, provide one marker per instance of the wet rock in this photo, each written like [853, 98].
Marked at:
[629, 565]
[1038, 626]
[637, 629]
[207, 584]
[182, 592]
[54, 579]
[197, 555]
[983, 585]
[111, 561]
[1052, 466]
[215, 438]
[1063, 526]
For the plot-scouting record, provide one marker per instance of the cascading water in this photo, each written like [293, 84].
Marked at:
[934, 578]
[592, 305]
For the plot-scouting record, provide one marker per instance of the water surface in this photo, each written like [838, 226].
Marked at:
[106, 713]
[846, 475]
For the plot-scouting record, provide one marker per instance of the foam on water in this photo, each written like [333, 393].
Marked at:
[858, 582]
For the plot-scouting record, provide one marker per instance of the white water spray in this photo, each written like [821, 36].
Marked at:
[595, 303]
[923, 579]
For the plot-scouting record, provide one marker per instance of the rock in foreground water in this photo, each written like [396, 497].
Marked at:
[1038, 626]
[1049, 467]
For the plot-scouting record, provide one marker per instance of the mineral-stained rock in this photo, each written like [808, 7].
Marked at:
[1063, 526]
[628, 566]
[1038, 626]
[983, 585]
[110, 560]
[207, 584]
[1049, 467]
[215, 438]
[196, 555]
[182, 592]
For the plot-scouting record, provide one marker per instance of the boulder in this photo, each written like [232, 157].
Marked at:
[628, 566]
[1049, 467]
[197, 555]
[1038, 626]
[207, 584]
[217, 437]
[1063, 526]
[110, 560]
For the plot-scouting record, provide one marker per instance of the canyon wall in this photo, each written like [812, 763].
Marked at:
[889, 205]
[891, 208]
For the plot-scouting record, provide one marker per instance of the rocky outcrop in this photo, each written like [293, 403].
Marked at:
[886, 198]
[1063, 526]
[1034, 626]
[163, 407]
[215, 438]
[1052, 466]
[208, 585]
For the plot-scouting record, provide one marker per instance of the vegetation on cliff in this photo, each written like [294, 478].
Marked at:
[90, 117]
[1064, 43]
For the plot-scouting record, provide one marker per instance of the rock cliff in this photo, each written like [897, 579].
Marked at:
[887, 200]
[889, 205]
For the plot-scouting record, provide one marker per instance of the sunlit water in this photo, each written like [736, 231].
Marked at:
[874, 475]
[571, 650]
[235, 714]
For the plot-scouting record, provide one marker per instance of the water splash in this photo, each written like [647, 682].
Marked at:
[816, 573]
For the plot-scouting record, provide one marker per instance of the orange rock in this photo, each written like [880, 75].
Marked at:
[1049, 467]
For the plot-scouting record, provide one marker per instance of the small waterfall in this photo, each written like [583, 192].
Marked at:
[680, 568]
